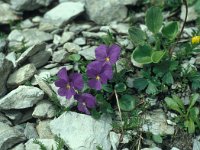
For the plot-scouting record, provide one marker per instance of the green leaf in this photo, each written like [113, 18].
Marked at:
[140, 83]
[157, 56]
[157, 138]
[193, 100]
[142, 54]
[168, 78]
[154, 19]
[127, 102]
[170, 31]
[137, 35]
[120, 87]
[108, 88]
[173, 105]
[74, 57]
[179, 102]
[189, 124]
[151, 88]
[194, 112]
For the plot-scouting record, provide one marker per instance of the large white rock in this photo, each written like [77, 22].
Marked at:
[156, 123]
[21, 75]
[48, 143]
[82, 132]
[5, 69]
[105, 11]
[64, 12]
[9, 136]
[7, 14]
[22, 97]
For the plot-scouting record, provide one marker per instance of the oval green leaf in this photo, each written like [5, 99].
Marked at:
[120, 87]
[127, 102]
[157, 56]
[137, 35]
[142, 54]
[154, 19]
[170, 31]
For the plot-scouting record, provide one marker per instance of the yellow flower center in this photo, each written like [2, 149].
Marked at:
[68, 86]
[97, 77]
[107, 59]
[195, 39]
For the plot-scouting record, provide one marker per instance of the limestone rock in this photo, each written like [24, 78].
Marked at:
[43, 130]
[105, 11]
[9, 136]
[71, 47]
[5, 69]
[7, 14]
[69, 11]
[157, 123]
[21, 75]
[48, 143]
[90, 132]
[59, 56]
[88, 53]
[30, 131]
[20, 98]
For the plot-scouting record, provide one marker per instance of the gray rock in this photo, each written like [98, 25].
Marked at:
[44, 109]
[21, 75]
[48, 25]
[48, 143]
[128, 2]
[7, 14]
[82, 1]
[40, 59]
[71, 47]
[20, 98]
[121, 28]
[9, 136]
[56, 39]
[88, 53]
[91, 132]
[14, 115]
[31, 51]
[67, 36]
[18, 147]
[59, 56]
[192, 14]
[80, 41]
[12, 57]
[154, 148]
[30, 37]
[43, 130]
[156, 123]
[69, 11]
[5, 69]
[196, 145]
[105, 11]
[77, 28]
[26, 24]
[29, 4]
[30, 131]
[93, 34]
[4, 119]
[174, 148]
[3, 44]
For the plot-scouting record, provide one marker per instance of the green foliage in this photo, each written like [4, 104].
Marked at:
[120, 87]
[157, 138]
[170, 30]
[42, 146]
[189, 116]
[137, 36]
[154, 19]
[127, 102]
[74, 57]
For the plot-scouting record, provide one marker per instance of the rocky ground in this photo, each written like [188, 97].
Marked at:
[36, 38]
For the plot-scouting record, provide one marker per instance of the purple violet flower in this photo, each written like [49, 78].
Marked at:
[68, 85]
[85, 101]
[107, 54]
[98, 73]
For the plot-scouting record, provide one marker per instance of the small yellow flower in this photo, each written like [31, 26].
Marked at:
[195, 39]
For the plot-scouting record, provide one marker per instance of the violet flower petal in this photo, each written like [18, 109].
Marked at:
[77, 80]
[62, 74]
[114, 53]
[69, 93]
[83, 108]
[62, 91]
[101, 52]
[107, 71]
[95, 65]
[60, 83]
[95, 84]
[89, 100]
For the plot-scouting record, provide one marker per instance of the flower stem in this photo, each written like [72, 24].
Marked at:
[120, 114]
[179, 36]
